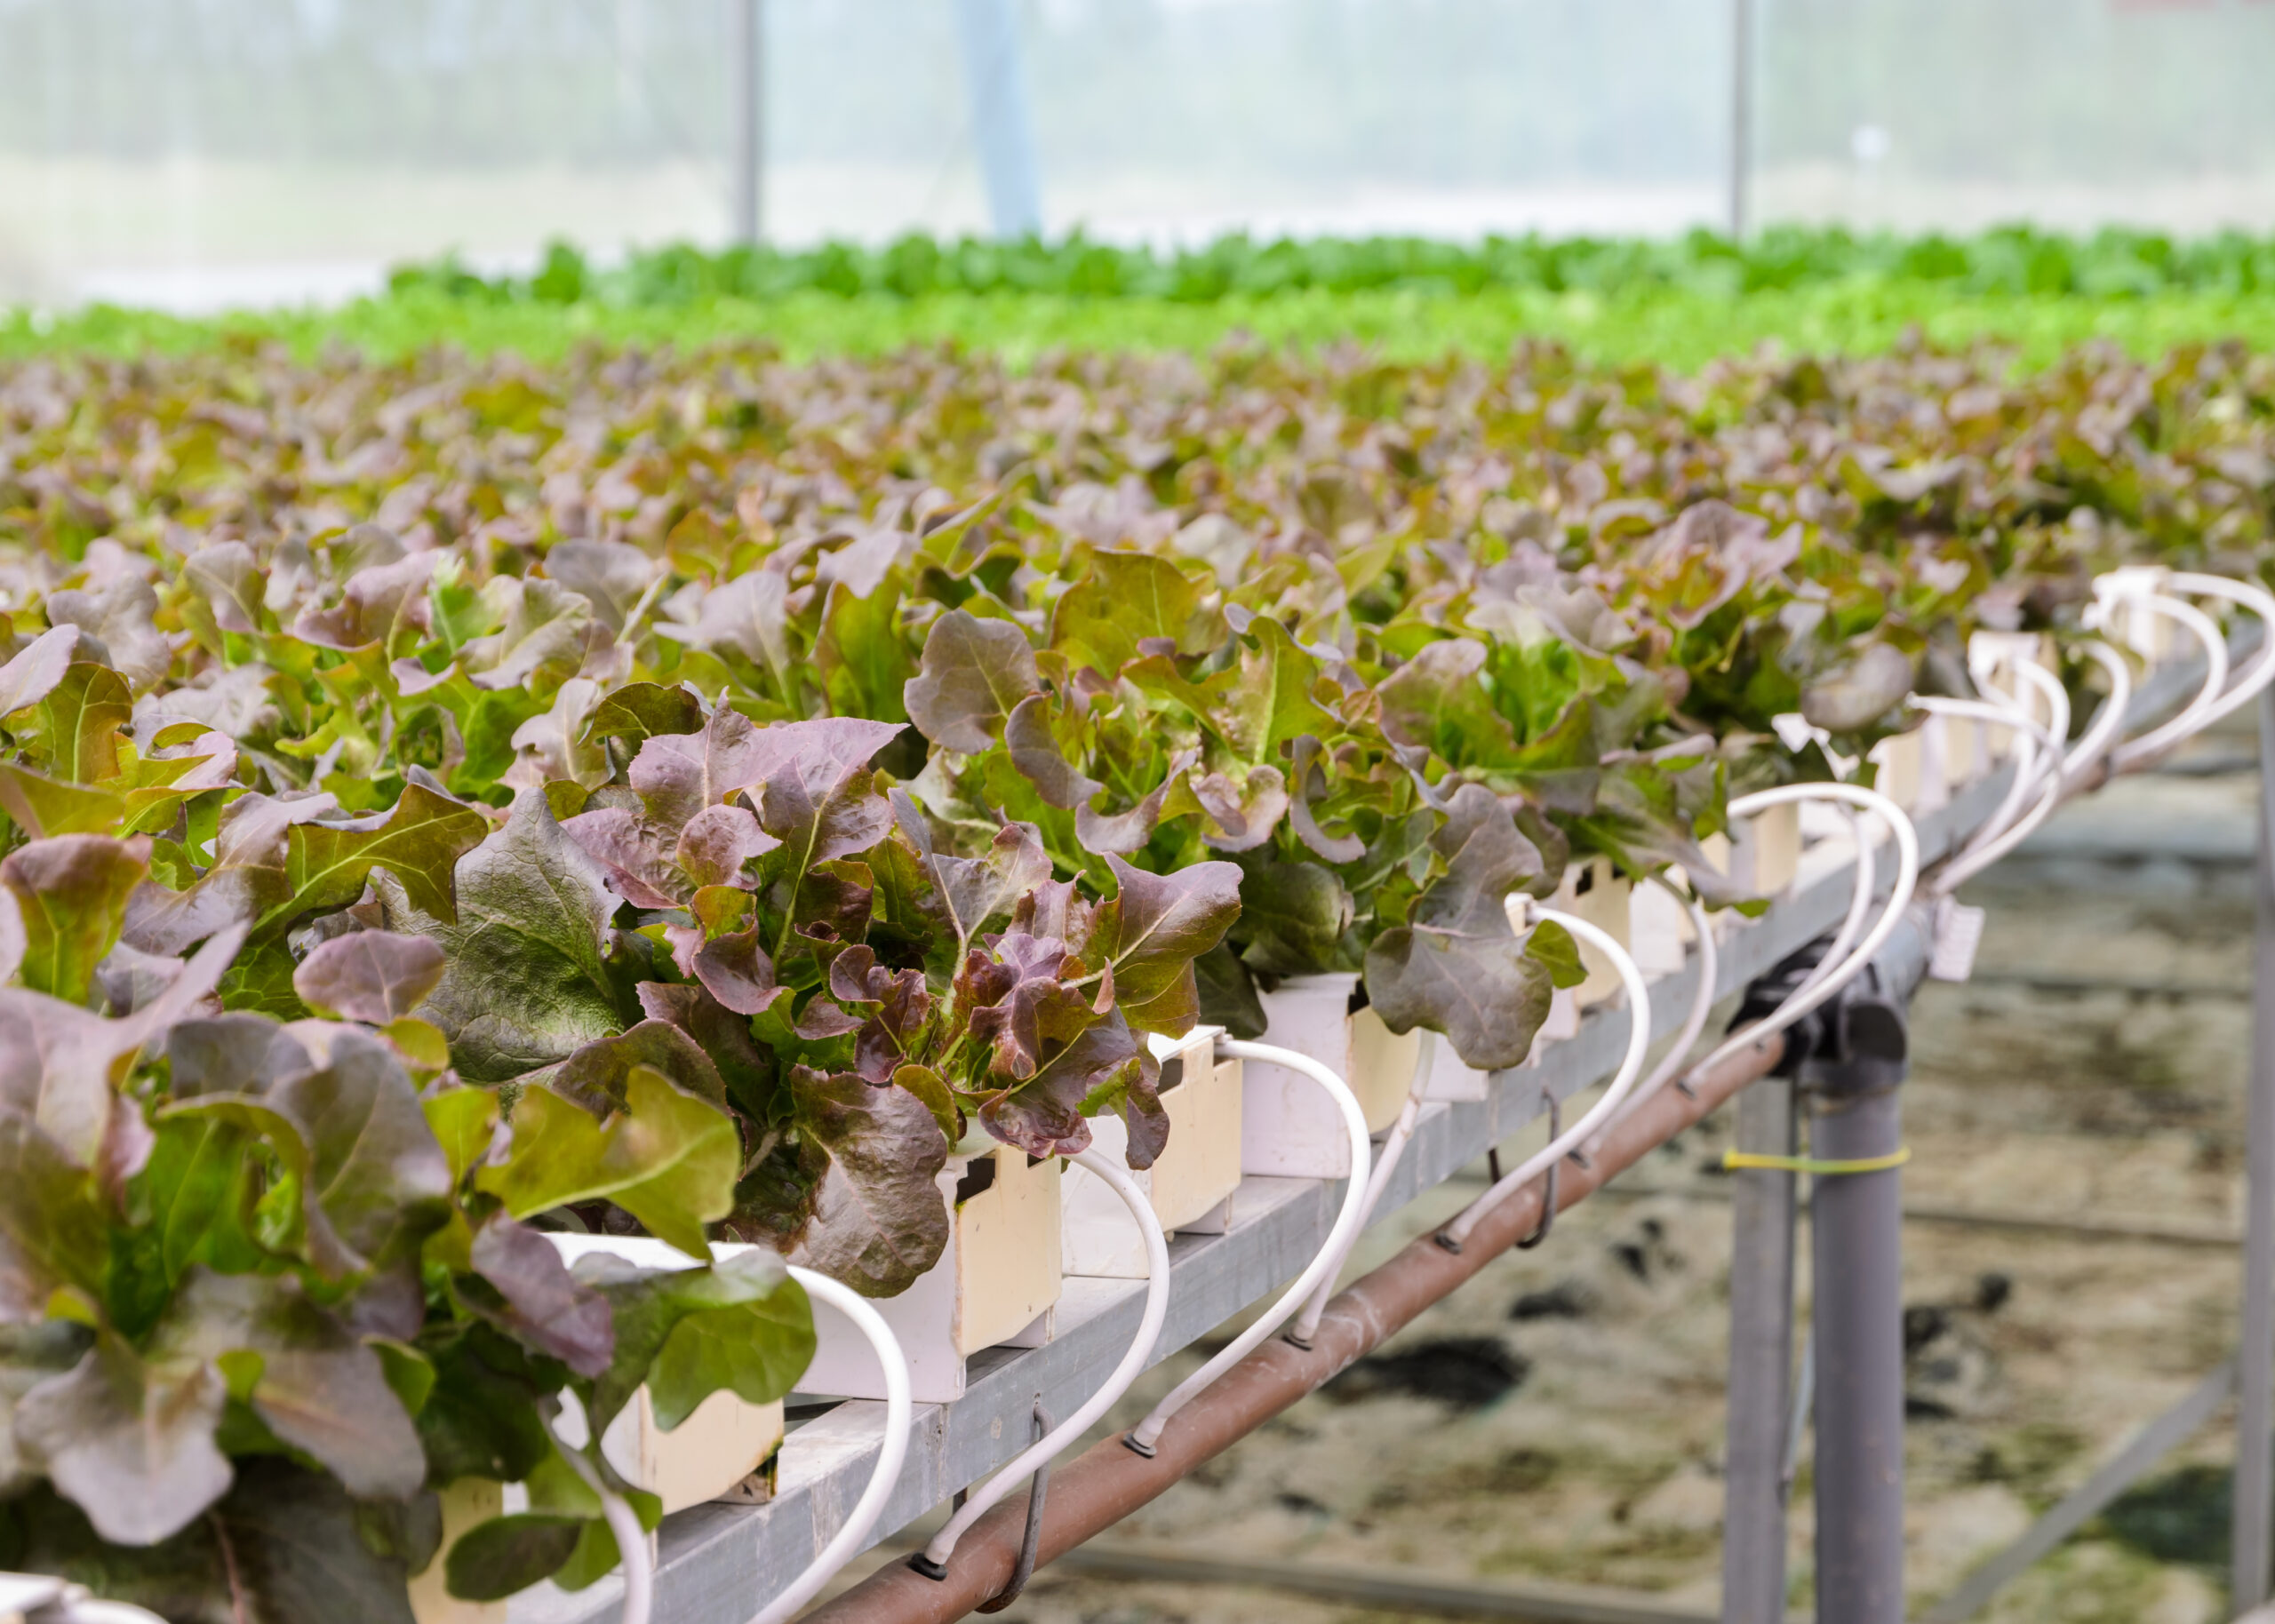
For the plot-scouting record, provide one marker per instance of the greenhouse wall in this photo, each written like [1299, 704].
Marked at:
[203, 151]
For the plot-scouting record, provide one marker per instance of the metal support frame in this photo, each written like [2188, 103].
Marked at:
[1857, 1313]
[1002, 125]
[748, 46]
[715, 1559]
[2086, 1501]
[2254, 1483]
[1852, 1080]
[1762, 1359]
[718, 1561]
[1741, 117]
[1851, 1056]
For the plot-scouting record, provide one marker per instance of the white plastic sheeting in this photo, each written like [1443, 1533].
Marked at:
[203, 151]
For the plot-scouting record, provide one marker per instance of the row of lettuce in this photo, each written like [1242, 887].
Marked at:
[2114, 263]
[691, 795]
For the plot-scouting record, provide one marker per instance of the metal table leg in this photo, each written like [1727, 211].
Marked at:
[1761, 1353]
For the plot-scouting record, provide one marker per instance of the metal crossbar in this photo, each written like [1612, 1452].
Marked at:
[2089, 1499]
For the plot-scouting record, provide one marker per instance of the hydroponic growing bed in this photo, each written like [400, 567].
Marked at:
[482, 836]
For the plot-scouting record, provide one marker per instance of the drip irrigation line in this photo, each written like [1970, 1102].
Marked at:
[1386, 1160]
[1039, 1455]
[1408, 1591]
[2131, 986]
[1961, 1217]
[635, 1551]
[1599, 1116]
[1108, 1482]
[1144, 1438]
[1821, 986]
[1677, 1056]
[2198, 713]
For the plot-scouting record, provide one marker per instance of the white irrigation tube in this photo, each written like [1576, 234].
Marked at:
[631, 1548]
[2054, 734]
[47, 1597]
[1324, 1265]
[2199, 712]
[1907, 880]
[2254, 600]
[2039, 755]
[900, 1411]
[1867, 881]
[1980, 853]
[1671, 1064]
[1836, 952]
[2108, 721]
[1638, 1045]
[2032, 768]
[1386, 1160]
[2057, 714]
[1047, 1448]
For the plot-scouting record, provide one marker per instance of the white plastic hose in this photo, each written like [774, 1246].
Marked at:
[1702, 1008]
[1907, 880]
[1861, 888]
[1866, 881]
[1457, 1234]
[2108, 721]
[2255, 600]
[2199, 712]
[47, 1598]
[2037, 753]
[899, 1412]
[2038, 763]
[1330, 1259]
[1048, 1447]
[631, 1539]
[1395, 1142]
[2057, 703]
[1980, 853]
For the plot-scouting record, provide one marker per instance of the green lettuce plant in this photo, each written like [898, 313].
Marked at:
[864, 991]
[266, 1287]
[1158, 723]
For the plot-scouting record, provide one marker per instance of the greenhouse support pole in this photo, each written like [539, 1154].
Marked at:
[1001, 125]
[2254, 1486]
[1741, 113]
[1856, 1230]
[748, 46]
[1761, 1358]
[1854, 1082]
